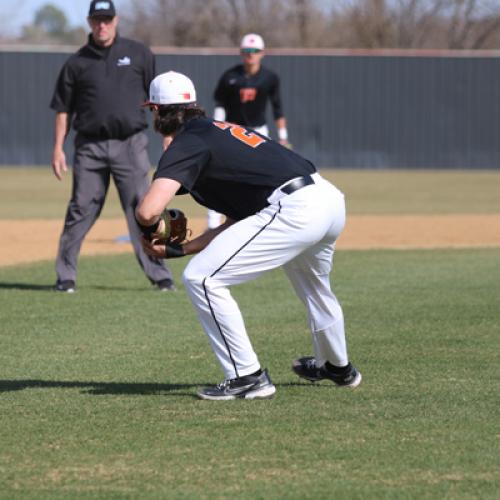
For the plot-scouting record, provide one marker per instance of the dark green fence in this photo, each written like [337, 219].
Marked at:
[362, 110]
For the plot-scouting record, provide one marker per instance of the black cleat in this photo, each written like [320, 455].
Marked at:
[166, 285]
[247, 387]
[67, 286]
[307, 368]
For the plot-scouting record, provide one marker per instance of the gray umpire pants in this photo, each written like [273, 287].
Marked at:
[94, 163]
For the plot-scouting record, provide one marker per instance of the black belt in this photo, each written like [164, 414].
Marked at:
[296, 184]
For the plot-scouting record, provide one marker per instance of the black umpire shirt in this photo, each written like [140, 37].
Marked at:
[228, 168]
[244, 97]
[104, 88]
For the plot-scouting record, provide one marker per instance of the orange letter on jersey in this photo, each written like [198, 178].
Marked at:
[222, 125]
[248, 94]
[240, 133]
[249, 138]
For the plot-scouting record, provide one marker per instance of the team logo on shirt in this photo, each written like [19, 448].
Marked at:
[124, 61]
[248, 94]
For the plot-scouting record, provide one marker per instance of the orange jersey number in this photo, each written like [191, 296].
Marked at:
[240, 133]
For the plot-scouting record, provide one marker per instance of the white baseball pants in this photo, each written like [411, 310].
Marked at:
[297, 231]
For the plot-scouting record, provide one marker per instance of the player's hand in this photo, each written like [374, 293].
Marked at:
[59, 163]
[285, 143]
[162, 249]
[153, 248]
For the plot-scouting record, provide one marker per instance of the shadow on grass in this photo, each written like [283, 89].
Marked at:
[99, 388]
[152, 288]
[25, 286]
[117, 388]
[50, 288]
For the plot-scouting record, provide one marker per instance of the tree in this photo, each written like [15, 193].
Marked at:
[51, 20]
[415, 24]
[50, 26]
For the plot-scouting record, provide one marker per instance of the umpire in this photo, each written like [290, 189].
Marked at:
[100, 90]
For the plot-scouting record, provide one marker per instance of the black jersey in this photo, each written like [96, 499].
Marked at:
[228, 168]
[244, 97]
[104, 88]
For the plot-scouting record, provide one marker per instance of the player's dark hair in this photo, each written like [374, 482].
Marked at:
[172, 117]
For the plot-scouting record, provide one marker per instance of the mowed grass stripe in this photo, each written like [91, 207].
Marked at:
[34, 193]
[98, 388]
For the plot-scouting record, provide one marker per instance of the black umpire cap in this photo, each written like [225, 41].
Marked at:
[102, 8]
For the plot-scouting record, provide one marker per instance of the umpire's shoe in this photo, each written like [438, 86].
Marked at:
[255, 386]
[67, 286]
[166, 285]
[344, 377]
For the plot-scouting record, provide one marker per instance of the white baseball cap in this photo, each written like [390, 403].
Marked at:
[171, 88]
[252, 41]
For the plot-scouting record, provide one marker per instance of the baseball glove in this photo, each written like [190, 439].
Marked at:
[176, 230]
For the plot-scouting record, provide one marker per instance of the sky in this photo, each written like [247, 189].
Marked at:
[16, 13]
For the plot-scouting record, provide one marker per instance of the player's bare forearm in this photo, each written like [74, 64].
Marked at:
[156, 199]
[202, 241]
[162, 250]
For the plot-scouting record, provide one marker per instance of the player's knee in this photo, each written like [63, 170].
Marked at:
[192, 278]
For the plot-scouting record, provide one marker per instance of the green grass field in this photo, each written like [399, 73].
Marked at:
[35, 193]
[98, 388]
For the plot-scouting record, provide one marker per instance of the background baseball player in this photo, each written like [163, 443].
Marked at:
[102, 87]
[242, 94]
[279, 212]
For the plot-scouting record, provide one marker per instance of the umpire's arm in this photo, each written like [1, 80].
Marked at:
[61, 128]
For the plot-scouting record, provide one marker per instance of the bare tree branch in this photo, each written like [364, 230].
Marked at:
[436, 24]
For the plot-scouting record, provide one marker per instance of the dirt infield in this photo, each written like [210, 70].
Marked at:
[26, 241]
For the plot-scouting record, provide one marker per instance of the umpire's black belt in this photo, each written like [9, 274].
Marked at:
[297, 184]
